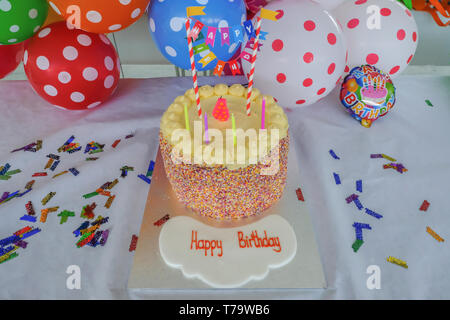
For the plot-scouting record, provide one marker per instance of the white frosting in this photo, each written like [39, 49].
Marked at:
[235, 95]
[229, 266]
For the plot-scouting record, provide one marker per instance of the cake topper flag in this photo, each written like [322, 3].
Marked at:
[220, 111]
[195, 11]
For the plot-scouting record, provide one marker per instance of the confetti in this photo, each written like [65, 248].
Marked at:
[116, 143]
[150, 169]
[90, 195]
[161, 221]
[28, 218]
[88, 211]
[100, 220]
[299, 194]
[103, 192]
[358, 204]
[133, 244]
[47, 198]
[357, 244]
[428, 102]
[49, 164]
[29, 184]
[351, 198]
[434, 235]
[94, 241]
[60, 174]
[8, 257]
[112, 184]
[373, 214]
[53, 156]
[40, 174]
[30, 233]
[83, 226]
[91, 159]
[388, 158]
[337, 179]
[109, 201]
[105, 235]
[333, 154]
[66, 143]
[23, 230]
[398, 262]
[74, 171]
[146, 179]
[90, 229]
[65, 216]
[376, 155]
[359, 185]
[85, 239]
[424, 206]
[129, 136]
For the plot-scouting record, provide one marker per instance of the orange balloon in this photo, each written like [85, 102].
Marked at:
[100, 16]
[352, 85]
[52, 17]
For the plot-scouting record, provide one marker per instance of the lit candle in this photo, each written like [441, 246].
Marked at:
[206, 129]
[186, 117]
[233, 123]
[263, 114]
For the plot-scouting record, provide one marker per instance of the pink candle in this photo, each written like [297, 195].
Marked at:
[263, 115]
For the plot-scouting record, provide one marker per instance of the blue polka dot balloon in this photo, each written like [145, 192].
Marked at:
[167, 19]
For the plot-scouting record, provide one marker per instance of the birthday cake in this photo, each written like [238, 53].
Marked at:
[223, 160]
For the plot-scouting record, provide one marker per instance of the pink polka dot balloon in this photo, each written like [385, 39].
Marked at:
[382, 33]
[71, 68]
[303, 55]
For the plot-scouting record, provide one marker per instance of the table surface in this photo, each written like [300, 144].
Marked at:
[413, 132]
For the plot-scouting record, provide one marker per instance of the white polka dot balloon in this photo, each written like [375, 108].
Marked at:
[304, 55]
[70, 68]
[330, 4]
[382, 33]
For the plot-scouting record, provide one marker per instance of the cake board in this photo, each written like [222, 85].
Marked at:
[150, 271]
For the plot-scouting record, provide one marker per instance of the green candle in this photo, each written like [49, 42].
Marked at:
[186, 117]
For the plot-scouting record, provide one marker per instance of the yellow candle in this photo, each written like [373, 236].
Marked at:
[186, 117]
[233, 123]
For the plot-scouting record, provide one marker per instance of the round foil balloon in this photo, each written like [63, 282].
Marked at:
[100, 16]
[21, 19]
[303, 56]
[10, 57]
[368, 94]
[71, 68]
[167, 21]
[382, 33]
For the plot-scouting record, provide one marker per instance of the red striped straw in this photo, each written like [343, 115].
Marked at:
[252, 71]
[194, 70]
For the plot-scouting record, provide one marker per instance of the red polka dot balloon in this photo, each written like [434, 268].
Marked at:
[382, 33]
[70, 68]
[303, 55]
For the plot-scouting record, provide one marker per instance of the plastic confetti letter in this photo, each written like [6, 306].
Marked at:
[337, 179]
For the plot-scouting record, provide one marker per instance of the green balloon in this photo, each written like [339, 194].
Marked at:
[21, 19]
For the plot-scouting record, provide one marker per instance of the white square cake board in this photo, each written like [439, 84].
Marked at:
[149, 270]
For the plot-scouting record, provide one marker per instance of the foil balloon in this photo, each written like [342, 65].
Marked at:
[367, 93]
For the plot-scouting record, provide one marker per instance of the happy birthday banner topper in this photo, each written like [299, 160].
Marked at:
[225, 35]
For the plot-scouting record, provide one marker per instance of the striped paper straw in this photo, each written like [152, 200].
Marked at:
[194, 70]
[252, 71]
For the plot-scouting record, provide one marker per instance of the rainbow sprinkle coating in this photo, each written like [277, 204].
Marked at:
[223, 194]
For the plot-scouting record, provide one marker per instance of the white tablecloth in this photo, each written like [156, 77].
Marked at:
[414, 133]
